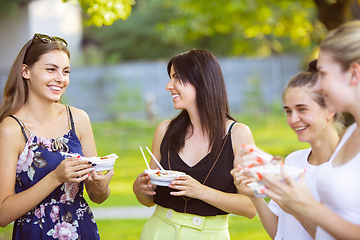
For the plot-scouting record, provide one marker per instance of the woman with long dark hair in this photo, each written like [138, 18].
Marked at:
[201, 141]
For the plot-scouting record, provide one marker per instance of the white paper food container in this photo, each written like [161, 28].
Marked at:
[163, 178]
[257, 188]
[103, 163]
[275, 170]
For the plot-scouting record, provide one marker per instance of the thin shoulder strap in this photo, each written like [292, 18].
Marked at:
[232, 124]
[22, 127]
[70, 117]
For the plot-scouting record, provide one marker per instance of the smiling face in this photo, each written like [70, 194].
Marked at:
[183, 94]
[304, 115]
[48, 77]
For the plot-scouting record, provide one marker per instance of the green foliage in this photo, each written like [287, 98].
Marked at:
[260, 27]
[104, 12]
[96, 12]
[137, 37]
[162, 28]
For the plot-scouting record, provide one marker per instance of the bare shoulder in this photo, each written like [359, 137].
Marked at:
[240, 127]
[79, 115]
[162, 127]
[9, 127]
[11, 135]
[241, 134]
[159, 135]
[82, 124]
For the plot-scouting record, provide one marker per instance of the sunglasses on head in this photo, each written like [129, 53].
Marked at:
[47, 39]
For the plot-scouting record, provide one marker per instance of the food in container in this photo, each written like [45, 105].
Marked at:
[257, 188]
[275, 170]
[264, 157]
[102, 163]
[163, 177]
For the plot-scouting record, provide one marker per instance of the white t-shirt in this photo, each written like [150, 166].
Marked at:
[288, 227]
[339, 187]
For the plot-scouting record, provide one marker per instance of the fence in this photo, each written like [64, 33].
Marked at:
[129, 89]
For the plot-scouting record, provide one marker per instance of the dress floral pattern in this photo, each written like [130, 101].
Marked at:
[63, 214]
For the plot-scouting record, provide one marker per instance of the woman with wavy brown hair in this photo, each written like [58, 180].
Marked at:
[41, 190]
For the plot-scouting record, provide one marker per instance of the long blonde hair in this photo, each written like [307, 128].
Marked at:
[16, 89]
[344, 44]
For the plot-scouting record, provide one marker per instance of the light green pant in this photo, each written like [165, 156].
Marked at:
[166, 224]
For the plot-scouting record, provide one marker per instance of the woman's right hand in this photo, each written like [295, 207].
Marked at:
[142, 185]
[241, 181]
[73, 170]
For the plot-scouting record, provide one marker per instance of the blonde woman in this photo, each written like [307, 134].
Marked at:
[337, 216]
[313, 123]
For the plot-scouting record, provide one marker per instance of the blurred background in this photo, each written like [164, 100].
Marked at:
[119, 52]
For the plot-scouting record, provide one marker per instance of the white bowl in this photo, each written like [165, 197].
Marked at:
[257, 188]
[103, 163]
[163, 178]
[275, 170]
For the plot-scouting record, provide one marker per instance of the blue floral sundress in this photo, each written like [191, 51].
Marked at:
[63, 214]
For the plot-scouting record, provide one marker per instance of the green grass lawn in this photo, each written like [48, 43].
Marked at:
[240, 228]
[270, 132]
[130, 229]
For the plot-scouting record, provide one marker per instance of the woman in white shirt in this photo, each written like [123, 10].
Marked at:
[338, 214]
[312, 122]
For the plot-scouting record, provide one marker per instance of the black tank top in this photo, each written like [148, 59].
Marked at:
[216, 175]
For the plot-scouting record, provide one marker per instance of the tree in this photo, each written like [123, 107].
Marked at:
[161, 28]
[262, 27]
[333, 13]
[96, 12]
[105, 12]
[137, 37]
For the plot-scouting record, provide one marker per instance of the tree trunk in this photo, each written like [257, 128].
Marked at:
[333, 13]
[355, 9]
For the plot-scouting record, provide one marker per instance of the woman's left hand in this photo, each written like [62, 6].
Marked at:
[187, 186]
[99, 182]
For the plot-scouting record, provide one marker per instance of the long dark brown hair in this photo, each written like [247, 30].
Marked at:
[201, 69]
[16, 89]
